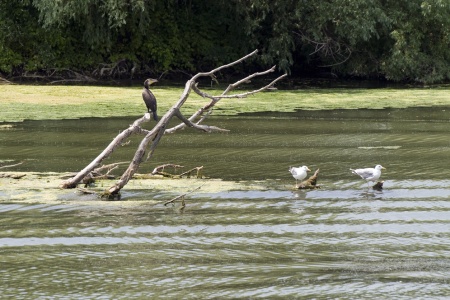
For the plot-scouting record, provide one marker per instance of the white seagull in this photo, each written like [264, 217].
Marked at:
[299, 173]
[369, 174]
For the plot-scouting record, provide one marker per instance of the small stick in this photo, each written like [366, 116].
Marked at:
[182, 196]
[162, 167]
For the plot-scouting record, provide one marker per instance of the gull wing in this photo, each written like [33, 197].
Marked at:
[364, 173]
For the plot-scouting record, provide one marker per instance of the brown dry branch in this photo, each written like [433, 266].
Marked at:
[161, 168]
[151, 139]
[310, 183]
[160, 171]
[182, 196]
[189, 173]
[378, 186]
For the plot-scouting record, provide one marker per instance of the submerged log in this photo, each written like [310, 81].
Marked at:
[310, 183]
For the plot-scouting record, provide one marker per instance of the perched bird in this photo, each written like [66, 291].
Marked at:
[149, 98]
[369, 174]
[299, 173]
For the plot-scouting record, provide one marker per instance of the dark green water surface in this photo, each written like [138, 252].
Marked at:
[342, 241]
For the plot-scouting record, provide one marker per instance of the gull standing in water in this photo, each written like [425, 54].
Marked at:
[299, 173]
[369, 174]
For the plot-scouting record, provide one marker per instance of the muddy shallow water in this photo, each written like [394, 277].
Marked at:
[340, 241]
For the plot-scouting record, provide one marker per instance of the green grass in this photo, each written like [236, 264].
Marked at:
[20, 102]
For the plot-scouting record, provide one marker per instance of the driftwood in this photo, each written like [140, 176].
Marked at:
[161, 168]
[152, 137]
[188, 174]
[378, 186]
[183, 204]
[160, 171]
[310, 183]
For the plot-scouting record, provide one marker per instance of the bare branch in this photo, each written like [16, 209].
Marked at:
[243, 95]
[215, 99]
[155, 141]
[246, 79]
[152, 137]
[198, 169]
[182, 196]
[204, 128]
[134, 128]
[162, 167]
[109, 168]
[204, 74]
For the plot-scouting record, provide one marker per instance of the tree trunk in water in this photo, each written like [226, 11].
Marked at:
[153, 136]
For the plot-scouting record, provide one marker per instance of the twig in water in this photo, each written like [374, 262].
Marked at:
[182, 196]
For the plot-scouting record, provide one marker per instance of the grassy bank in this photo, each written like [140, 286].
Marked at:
[20, 102]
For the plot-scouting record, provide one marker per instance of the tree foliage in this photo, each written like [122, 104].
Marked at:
[403, 40]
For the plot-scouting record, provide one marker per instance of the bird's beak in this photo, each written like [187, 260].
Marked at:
[383, 168]
[308, 169]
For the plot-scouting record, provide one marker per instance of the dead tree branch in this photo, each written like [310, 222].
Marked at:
[182, 196]
[160, 171]
[134, 128]
[197, 169]
[152, 137]
[161, 168]
[206, 110]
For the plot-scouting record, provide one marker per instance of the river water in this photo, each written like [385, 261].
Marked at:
[342, 241]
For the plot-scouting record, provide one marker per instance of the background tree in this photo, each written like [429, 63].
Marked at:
[404, 40]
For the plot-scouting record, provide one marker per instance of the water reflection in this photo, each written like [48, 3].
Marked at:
[340, 241]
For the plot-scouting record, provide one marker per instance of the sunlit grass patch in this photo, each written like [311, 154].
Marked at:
[19, 102]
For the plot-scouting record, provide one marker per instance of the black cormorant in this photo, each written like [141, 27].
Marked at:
[149, 98]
